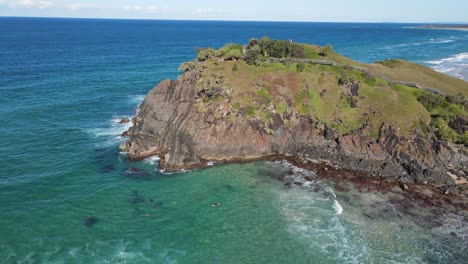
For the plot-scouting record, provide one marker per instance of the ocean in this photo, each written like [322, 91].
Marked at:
[67, 195]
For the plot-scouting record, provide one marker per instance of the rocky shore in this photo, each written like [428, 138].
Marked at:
[170, 124]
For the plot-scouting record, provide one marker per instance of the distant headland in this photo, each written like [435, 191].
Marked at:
[448, 27]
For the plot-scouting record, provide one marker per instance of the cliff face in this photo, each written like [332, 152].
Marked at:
[171, 124]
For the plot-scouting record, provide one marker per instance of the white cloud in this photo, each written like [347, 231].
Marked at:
[79, 6]
[145, 9]
[207, 11]
[43, 4]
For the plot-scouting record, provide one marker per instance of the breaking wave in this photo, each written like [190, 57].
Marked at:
[456, 65]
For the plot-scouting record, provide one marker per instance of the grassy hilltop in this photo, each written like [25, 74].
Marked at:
[267, 76]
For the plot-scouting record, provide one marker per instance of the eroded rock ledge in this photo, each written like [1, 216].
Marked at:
[170, 124]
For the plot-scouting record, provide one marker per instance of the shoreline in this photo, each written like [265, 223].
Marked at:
[442, 198]
[410, 199]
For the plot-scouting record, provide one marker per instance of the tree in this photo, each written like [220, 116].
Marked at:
[277, 48]
[264, 45]
[296, 50]
[327, 50]
[252, 42]
[252, 55]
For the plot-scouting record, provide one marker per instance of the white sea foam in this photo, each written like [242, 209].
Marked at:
[456, 65]
[136, 99]
[110, 133]
[338, 208]
[152, 160]
[429, 42]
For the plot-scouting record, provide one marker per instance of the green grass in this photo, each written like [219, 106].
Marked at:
[316, 92]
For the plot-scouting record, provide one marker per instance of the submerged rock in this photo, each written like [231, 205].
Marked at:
[90, 221]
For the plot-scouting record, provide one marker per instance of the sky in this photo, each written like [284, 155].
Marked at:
[251, 10]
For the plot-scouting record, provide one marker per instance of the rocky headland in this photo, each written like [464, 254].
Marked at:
[346, 116]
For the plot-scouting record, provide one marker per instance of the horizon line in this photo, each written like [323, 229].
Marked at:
[234, 20]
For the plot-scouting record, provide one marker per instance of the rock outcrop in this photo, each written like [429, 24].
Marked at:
[171, 124]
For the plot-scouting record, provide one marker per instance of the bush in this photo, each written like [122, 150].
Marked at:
[443, 131]
[229, 48]
[264, 45]
[464, 138]
[325, 51]
[187, 66]
[235, 68]
[252, 42]
[300, 67]
[233, 54]
[252, 55]
[277, 48]
[204, 54]
[295, 50]
[431, 101]
[459, 99]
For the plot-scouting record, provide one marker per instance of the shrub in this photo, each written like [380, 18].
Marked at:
[295, 50]
[187, 66]
[264, 45]
[204, 54]
[431, 101]
[459, 99]
[248, 110]
[464, 138]
[300, 67]
[229, 48]
[233, 54]
[443, 131]
[252, 42]
[277, 48]
[252, 55]
[325, 51]
[235, 67]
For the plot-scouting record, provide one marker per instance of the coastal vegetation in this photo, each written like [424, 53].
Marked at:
[265, 76]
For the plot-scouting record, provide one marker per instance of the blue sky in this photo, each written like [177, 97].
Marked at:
[285, 10]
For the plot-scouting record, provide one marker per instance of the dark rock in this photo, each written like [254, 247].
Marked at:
[404, 187]
[90, 221]
[136, 198]
[124, 134]
[339, 188]
[158, 204]
[135, 170]
[308, 178]
[298, 183]
[108, 169]
[169, 124]
[281, 177]
[124, 120]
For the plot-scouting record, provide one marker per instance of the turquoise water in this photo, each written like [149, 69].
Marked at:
[68, 196]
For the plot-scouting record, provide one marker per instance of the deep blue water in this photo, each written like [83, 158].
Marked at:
[64, 84]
